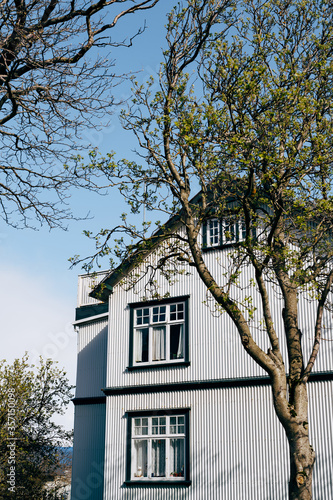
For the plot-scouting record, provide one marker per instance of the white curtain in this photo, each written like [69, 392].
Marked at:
[141, 458]
[180, 350]
[159, 343]
[177, 457]
[158, 457]
[138, 345]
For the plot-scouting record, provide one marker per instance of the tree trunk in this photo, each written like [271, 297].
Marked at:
[293, 415]
[302, 458]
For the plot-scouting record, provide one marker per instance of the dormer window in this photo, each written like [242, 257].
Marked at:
[213, 232]
[220, 232]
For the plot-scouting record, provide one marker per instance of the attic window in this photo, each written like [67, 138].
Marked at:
[219, 232]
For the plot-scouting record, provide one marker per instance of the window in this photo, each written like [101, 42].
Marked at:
[217, 232]
[158, 333]
[158, 448]
[213, 232]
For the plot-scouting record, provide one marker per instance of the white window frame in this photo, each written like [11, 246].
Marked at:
[144, 472]
[213, 232]
[153, 315]
[218, 232]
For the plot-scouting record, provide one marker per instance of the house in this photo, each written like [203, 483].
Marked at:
[168, 404]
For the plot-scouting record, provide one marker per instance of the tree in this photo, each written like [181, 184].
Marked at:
[32, 445]
[244, 115]
[49, 92]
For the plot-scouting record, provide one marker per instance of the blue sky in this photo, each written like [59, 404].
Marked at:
[38, 293]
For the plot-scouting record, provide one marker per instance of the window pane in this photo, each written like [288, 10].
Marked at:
[177, 425]
[142, 316]
[141, 426]
[139, 317]
[159, 314]
[213, 228]
[158, 343]
[144, 429]
[230, 231]
[242, 235]
[155, 314]
[141, 345]
[177, 457]
[176, 312]
[176, 341]
[155, 425]
[140, 458]
[181, 425]
[159, 425]
[137, 425]
[180, 311]
[162, 425]
[158, 458]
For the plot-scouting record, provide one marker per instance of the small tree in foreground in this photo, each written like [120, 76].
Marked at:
[253, 124]
[31, 444]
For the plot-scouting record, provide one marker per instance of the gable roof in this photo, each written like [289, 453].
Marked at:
[105, 287]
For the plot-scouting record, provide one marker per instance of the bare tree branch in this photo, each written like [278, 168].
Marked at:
[50, 92]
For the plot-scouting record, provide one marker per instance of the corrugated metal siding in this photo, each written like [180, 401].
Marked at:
[86, 283]
[88, 453]
[321, 435]
[237, 446]
[215, 348]
[307, 311]
[91, 360]
[238, 449]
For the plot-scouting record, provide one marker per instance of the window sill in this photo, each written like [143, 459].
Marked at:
[153, 483]
[221, 247]
[153, 366]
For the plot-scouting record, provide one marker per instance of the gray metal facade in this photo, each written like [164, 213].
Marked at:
[237, 447]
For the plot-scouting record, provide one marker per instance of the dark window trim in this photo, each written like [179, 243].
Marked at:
[168, 483]
[97, 400]
[91, 310]
[221, 246]
[169, 300]
[206, 384]
[160, 365]
[129, 415]
[157, 412]
[165, 300]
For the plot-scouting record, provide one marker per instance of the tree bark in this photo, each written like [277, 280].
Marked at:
[302, 458]
[302, 455]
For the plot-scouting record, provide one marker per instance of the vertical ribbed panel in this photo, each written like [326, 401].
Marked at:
[214, 345]
[321, 437]
[91, 360]
[238, 449]
[86, 283]
[88, 453]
